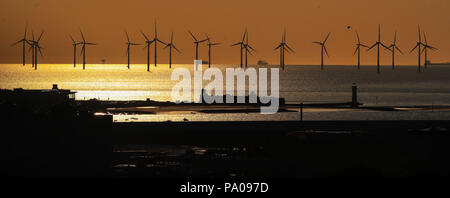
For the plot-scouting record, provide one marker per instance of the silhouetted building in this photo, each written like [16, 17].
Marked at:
[38, 98]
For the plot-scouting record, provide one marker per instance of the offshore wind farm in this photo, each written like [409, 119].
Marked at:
[245, 48]
[115, 86]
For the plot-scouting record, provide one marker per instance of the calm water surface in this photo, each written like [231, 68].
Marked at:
[402, 86]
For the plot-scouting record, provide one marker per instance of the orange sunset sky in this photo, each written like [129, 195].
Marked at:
[104, 22]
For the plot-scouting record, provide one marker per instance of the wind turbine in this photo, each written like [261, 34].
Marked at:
[129, 43]
[392, 48]
[83, 49]
[209, 49]
[358, 49]
[35, 47]
[248, 50]
[148, 42]
[425, 49]
[324, 48]
[196, 42]
[74, 44]
[241, 44]
[155, 42]
[283, 46]
[24, 42]
[171, 45]
[418, 46]
[31, 43]
[378, 43]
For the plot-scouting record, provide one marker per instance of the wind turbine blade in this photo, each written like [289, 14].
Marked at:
[128, 38]
[82, 35]
[372, 46]
[327, 38]
[161, 42]
[145, 37]
[398, 49]
[21, 40]
[245, 33]
[422, 51]
[379, 33]
[176, 49]
[25, 34]
[364, 45]
[156, 31]
[389, 48]
[40, 52]
[193, 36]
[278, 47]
[395, 37]
[251, 48]
[73, 40]
[246, 40]
[236, 44]
[420, 36]
[413, 48]
[318, 43]
[291, 51]
[287, 50]
[166, 46]
[40, 36]
[357, 36]
[249, 51]
[290, 48]
[356, 50]
[81, 52]
[384, 46]
[326, 52]
[425, 38]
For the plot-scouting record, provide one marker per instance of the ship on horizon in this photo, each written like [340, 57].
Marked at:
[428, 62]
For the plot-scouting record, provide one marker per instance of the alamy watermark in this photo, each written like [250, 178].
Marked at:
[181, 92]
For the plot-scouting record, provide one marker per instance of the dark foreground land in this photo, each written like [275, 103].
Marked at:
[67, 140]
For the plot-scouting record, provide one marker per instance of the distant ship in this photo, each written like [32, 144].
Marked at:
[443, 63]
[262, 63]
